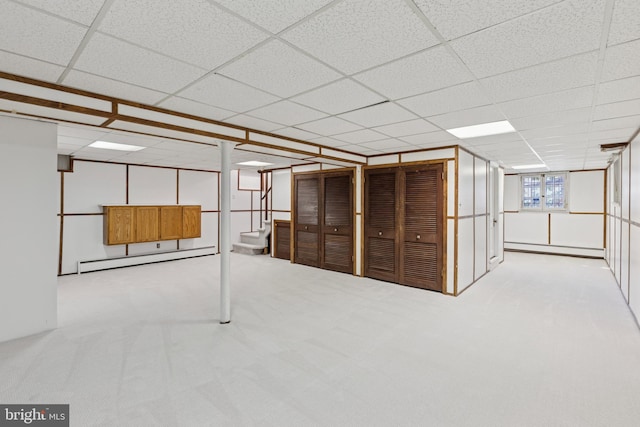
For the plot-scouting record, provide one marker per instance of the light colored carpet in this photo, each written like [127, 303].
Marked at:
[541, 341]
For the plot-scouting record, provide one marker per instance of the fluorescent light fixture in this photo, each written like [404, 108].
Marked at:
[254, 163]
[541, 165]
[113, 146]
[485, 129]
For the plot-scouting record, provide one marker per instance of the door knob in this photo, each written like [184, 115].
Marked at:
[306, 228]
[335, 229]
[418, 237]
[379, 233]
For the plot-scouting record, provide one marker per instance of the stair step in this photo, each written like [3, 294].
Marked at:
[248, 249]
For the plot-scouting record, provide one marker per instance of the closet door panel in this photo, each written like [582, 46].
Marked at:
[337, 222]
[307, 204]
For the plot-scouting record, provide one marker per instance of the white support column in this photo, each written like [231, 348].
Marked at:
[226, 148]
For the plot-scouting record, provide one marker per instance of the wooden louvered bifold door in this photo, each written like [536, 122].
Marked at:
[282, 239]
[306, 233]
[381, 255]
[421, 246]
[337, 222]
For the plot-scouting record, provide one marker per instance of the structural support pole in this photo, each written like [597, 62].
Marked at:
[226, 148]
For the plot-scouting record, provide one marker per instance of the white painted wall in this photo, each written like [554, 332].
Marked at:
[28, 293]
[577, 231]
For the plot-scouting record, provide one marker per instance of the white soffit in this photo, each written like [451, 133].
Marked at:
[28, 67]
[54, 95]
[345, 156]
[274, 151]
[156, 131]
[445, 153]
[195, 108]
[284, 143]
[180, 121]
[49, 113]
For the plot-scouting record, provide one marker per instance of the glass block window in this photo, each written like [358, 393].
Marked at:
[544, 191]
[531, 192]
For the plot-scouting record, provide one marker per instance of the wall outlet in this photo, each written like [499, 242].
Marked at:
[157, 245]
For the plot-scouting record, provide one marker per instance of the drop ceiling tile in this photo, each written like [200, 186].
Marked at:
[617, 123]
[117, 89]
[328, 142]
[423, 72]
[557, 131]
[555, 76]
[357, 149]
[456, 18]
[624, 22]
[200, 34]
[360, 136]
[37, 35]
[410, 127]
[454, 98]
[504, 138]
[81, 132]
[287, 113]
[558, 101]
[253, 123]
[472, 116]
[385, 144]
[621, 61]
[354, 35]
[28, 67]
[559, 118]
[115, 59]
[279, 69]
[226, 93]
[69, 141]
[378, 115]
[439, 137]
[339, 97]
[330, 126]
[82, 11]
[195, 108]
[274, 16]
[622, 135]
[617, 109]
[566, 29]
[131, 139]
[294, 132]
[619, 90]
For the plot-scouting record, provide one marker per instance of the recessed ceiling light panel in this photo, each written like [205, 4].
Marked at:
[485, 129]
[113, 146]
[541, 165]
[254, 163]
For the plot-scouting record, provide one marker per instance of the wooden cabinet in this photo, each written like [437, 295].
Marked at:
[282, 239]
[120, 229]
[138, 224]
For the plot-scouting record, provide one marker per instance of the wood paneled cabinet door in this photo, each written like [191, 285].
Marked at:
[120, 228]
[170, 222]
[191, 222]
[404, 222]
[307, 219]
[147, 223]
[337, 222]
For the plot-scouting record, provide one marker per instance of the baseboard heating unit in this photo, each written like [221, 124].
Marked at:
[131, 260]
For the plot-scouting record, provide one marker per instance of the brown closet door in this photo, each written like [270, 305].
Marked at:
[337, 223]
[282, 239]
[380, 225]
[307, 220]
[421, 247]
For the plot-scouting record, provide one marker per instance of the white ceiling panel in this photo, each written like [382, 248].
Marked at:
[454, 98]
[440, 137]
[410, 127]
[566, 131]
[361, 150]
[287, 113]
[380, 114]
[279, 69]
[623, 134]
[622, 28]
[49, 113]
[195, 108]
[354, 35]
[622, 61]
[294, 132]
[559, 118]
[617, 109]
[122, 61]
[328, 142]
[559, 101]
[82, 11]
[160, 132]
[117, 89]
[82, 132]
[223, 92]
[386, 144]
[330, 126]
[617, 123]
[35, 34]
[131, 139]
[28, 67]
[274, 16]
[201, 34]
[619, 90]
[455, 18]
[423, 72]
[472, 116]
[338, 97]
[70, 142]
[253, 123]
[568, 28]
[555, 76]
[360, 136]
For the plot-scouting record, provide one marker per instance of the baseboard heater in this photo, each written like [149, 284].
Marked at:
[555, 249]
[131, 260]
